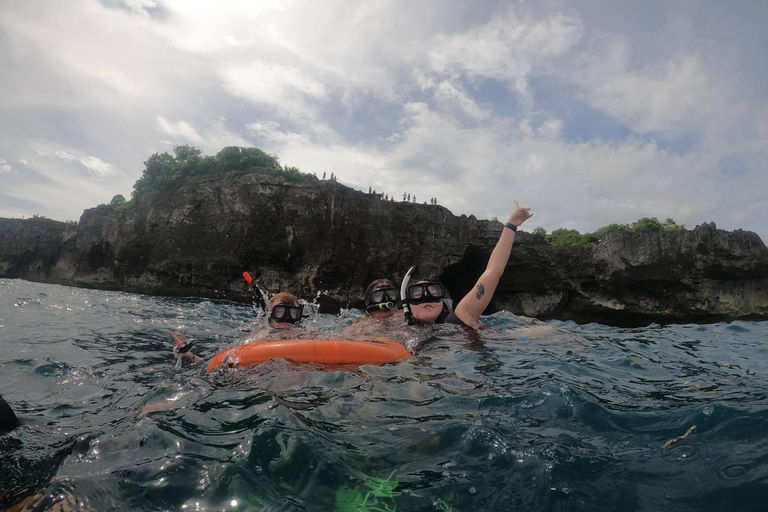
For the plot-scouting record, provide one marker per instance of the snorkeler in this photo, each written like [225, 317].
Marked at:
[425, 302]
[381, 299]
[284, 313]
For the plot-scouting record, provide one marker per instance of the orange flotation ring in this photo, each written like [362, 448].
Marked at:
[366, 351]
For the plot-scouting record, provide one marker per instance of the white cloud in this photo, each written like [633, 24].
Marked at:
[96, 167]
[289, 91]
[212, 138]
[677, 96]
[181, 129]
[508, 47]
[4, 165]
[451, 96]
[482, 170]
[140, 7]
[489, 100]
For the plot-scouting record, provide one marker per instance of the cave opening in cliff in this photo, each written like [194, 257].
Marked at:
[461, 277]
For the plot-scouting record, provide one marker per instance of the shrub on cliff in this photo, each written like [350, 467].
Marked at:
[572, 238]
[164, 172]
[117, 200]
[567, 238]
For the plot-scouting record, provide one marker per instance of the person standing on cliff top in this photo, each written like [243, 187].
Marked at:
[284, 313]
[427, 301]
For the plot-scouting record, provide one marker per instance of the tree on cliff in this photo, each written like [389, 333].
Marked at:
[117, 200]
[163, 172]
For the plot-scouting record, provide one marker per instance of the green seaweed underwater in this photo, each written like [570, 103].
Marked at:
[378, 498]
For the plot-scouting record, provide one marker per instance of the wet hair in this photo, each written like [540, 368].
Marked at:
[379, 283]
[283, 298]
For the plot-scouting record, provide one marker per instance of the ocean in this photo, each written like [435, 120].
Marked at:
[523, 415]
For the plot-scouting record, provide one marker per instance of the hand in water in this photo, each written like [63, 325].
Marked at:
[181, 340]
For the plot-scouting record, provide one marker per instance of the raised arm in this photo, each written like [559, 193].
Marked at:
[474, 303]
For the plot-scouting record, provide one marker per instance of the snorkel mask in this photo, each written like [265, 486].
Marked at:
[286, 313]
[385, 297]
[420, 293]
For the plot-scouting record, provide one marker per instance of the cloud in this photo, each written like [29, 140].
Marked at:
[450, 96]
[180, 129]
[290, 92]
[509, 47]
[143, 8]
[676, 96]
[476, 105]
[96, 167]
[4, 166]
[214, 136]
[435, 156]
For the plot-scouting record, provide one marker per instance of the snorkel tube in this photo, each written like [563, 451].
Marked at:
[259, 299]
[403, 289]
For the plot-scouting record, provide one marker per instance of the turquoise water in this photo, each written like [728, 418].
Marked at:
[552, 416]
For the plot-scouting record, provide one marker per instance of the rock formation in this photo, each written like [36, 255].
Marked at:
[8, 420]
[320, 237]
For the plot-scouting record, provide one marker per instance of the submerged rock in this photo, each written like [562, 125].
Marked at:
[8, 420]
[320, 237]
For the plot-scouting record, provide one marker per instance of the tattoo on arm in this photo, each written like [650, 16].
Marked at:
[480, 291]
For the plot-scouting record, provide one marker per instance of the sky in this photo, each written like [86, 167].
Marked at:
[589, 112]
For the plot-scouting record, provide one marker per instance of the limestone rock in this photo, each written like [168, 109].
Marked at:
[322, 239]
[8, 420]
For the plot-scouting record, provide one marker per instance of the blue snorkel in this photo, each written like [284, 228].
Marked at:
[403, 289]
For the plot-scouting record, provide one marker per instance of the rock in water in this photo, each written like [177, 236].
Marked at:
[8, 420]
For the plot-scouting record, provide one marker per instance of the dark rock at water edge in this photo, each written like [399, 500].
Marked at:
[8, 420]
[322, 239]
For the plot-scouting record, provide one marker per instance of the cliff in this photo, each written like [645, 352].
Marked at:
[322, 237]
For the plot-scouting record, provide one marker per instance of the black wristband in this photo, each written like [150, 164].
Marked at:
[183, 349]
[511, 226]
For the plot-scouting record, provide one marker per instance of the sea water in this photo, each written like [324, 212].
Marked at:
[519, 416]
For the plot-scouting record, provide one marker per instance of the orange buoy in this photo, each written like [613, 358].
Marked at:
[365, 351]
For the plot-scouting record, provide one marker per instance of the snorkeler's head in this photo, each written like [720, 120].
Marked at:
[381, 298]
[284, 310]
[425, 299]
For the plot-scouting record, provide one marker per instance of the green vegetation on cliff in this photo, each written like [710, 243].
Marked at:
[164, 172]
[571, 238]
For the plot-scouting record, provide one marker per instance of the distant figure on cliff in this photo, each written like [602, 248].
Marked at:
[381, 298]
[8, 420]
[426, 299]
[323, 174]
[284, 313]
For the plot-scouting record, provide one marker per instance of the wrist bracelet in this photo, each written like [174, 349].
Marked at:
[511, 226]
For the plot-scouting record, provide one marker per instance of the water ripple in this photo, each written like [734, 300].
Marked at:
[526, 415]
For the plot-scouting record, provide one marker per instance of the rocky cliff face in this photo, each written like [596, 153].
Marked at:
[322, 237]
